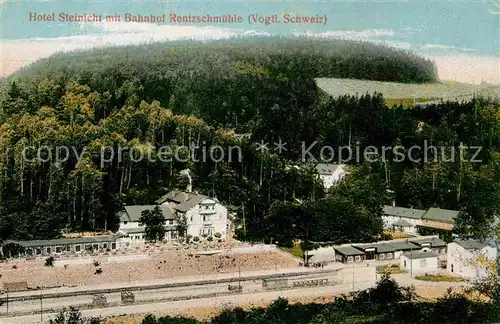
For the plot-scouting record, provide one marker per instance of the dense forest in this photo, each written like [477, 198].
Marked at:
[234, 94]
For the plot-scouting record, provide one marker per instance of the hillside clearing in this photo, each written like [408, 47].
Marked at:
[408, 94]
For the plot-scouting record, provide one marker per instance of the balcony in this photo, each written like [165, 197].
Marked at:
[204, 211]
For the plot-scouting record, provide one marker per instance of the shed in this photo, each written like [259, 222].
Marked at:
[348, 253]
[419, 262]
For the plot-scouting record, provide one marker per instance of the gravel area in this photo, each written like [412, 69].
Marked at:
[161, 265]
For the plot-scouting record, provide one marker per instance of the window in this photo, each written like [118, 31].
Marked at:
[104, 245]
[68, 248]
[171, 222]
[125, 223]
[113, 246]
[58, 249]
[358, 258]
[48, 250]
[349, 259]
[388, 256]
[38, 251]
[77, 248]
[381, 256]
[95, 246]
[423, 263]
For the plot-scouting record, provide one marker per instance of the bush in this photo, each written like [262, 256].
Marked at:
[210, 238]
[204, 235]
[73, 316]
[218, 235]
[49, 262]
[196, 239]
[151, 319]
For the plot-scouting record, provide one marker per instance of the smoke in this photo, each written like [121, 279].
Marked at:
[186, 173]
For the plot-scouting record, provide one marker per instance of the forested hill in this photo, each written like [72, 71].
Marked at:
[188, 93]
[224, 82]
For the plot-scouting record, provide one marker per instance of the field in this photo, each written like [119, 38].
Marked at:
[439, 278]
[394, 235]
[408, 94]
[296, 251]
[390, 269]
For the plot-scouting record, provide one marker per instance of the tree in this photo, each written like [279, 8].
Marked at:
[182, 225]
[489, 283]
[73, 316]
[154, 222]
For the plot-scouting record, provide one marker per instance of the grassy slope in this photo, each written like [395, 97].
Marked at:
[406, 94]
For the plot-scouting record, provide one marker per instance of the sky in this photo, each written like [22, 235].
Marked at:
[462, 37]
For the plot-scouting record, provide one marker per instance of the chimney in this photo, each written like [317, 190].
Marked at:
[190, 185]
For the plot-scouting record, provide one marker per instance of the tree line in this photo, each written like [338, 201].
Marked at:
[235, 93]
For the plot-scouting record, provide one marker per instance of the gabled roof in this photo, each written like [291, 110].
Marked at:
[133, 213]
[403, 246]
[471, 244]
[174, 195]
[328, 169]
[434, 242]
[404, 212]
[63, 241]
[184, 200]
[379, 247]
[420, 255]
[441, 215]
[347, 250]
[401, 222]
[191, 201]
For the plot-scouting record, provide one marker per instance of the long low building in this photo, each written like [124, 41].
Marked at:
[62, 246]
[410, 220]
[390, 250]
